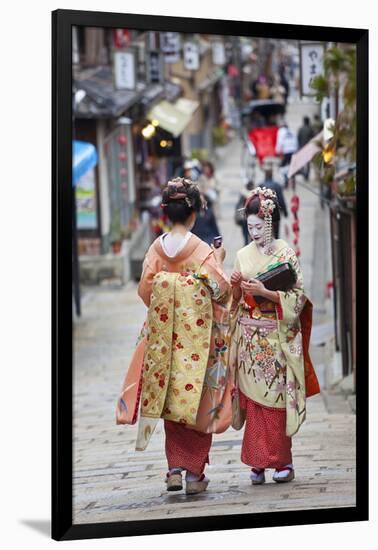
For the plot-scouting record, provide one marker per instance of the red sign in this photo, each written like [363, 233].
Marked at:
[264, 140]
[121, 38]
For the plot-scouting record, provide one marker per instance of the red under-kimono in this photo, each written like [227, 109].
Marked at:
[265, 443]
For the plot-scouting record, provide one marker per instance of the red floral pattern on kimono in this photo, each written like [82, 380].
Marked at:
[197, 259]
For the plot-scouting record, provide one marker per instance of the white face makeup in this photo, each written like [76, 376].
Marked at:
[256, 228]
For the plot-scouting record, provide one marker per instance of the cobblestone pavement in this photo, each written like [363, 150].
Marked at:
[112, 482]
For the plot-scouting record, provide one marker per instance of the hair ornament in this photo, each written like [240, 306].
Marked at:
[267, 198]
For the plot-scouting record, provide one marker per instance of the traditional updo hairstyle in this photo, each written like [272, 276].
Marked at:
[181, 197]
[253, 207]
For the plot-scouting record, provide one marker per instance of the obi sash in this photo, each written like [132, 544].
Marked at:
[179, 325]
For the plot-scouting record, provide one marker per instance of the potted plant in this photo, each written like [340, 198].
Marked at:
[339, 78]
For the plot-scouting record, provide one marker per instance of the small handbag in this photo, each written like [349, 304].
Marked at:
[280, 277]
[238, 413]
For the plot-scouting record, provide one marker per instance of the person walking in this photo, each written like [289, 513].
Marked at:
[305, 134]
[286, 146]
[317, 124]
[269, 347]
[205, 226]
[209, 185]
[239, 217]
[179, 370]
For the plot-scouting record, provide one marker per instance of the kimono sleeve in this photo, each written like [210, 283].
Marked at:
[145, 283]
[237, 266]
[217, 280]
[290, 337]
[292, 301]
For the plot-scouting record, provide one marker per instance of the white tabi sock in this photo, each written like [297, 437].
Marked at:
[193, 477]
[283, 473]
[175, 471]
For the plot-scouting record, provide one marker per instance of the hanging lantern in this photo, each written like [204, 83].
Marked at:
[294, 204]
[294, 207]
[122, 156]
[122, 140]
[296, 226]
[123, 185]
[123, 172]
[328, 153]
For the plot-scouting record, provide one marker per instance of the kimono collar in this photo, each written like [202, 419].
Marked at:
[192, 244]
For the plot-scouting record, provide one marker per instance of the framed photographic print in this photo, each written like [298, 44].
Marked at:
[210, 195]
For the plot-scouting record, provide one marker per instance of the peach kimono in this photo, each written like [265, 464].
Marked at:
[195, 262]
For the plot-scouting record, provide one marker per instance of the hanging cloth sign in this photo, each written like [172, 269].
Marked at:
[191, 56]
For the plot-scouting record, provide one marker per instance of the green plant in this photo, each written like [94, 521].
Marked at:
[115, 226]
[339, 79]
[219, 136]
[200, 154]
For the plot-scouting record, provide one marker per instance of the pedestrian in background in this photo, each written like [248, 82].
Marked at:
[286, 146]
[192, 169]
[206, 227]
[317, 124]
[262, 88]
[305, 134]
[239, 216]
[209, 186]
[284, 82]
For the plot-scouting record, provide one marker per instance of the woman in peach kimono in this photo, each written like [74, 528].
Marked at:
[269, 345]
[178, 259]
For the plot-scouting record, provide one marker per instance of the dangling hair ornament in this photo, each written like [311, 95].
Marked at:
[267, 198]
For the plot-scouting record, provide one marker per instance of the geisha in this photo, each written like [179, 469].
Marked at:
[179, 371]
[269, 345]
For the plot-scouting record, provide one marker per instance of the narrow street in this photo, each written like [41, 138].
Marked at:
[112, 482]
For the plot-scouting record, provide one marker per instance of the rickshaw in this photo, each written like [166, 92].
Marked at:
[260, 122]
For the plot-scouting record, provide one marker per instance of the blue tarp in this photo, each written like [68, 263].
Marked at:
[84, 157]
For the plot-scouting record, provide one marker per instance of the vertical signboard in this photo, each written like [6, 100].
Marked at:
[191, 56]
[124, 69]
[311, 65]
[170, 44]
[155, 67]
[219, 53]
[86, 207]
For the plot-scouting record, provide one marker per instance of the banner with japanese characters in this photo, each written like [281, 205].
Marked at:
[124, 69]
[311, 65]
[170, 43]
[191, 56]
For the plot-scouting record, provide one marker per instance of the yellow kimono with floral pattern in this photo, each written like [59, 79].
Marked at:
[266, 342]
[180, 327]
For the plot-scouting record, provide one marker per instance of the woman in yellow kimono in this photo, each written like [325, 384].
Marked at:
[269, 345]
[179, 371]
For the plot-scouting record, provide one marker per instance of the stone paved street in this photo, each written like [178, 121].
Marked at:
[112, 482]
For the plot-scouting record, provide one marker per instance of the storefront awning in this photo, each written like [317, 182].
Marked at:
[173, 117]
[305, 155]
[101, 99]
[84, 157]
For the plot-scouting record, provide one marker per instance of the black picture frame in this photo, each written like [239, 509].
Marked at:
[62, 345]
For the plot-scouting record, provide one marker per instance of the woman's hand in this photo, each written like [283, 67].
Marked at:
[253, 288]
[236, 278]
[219, 254]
